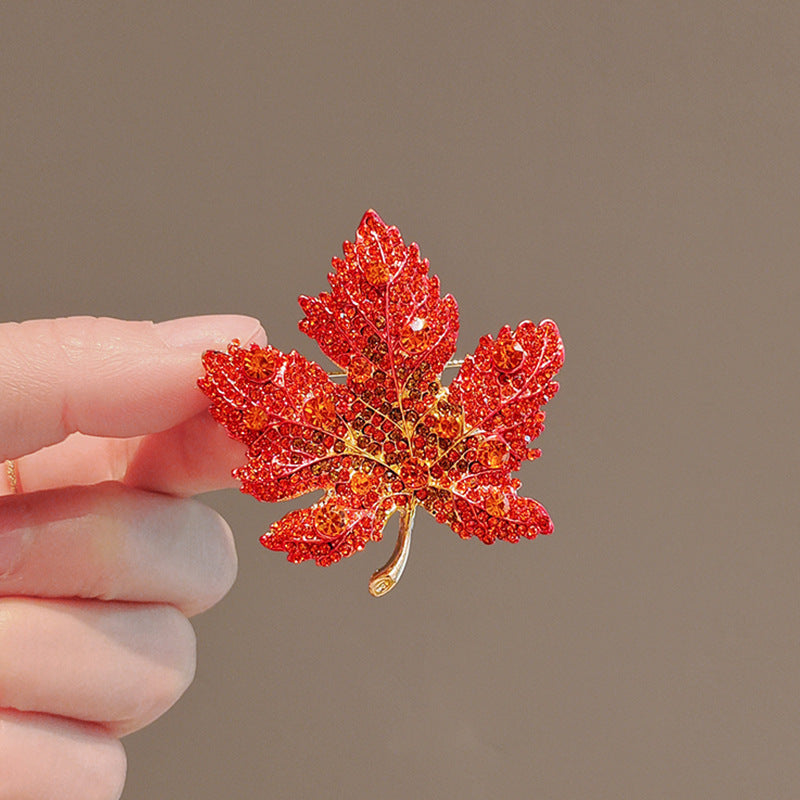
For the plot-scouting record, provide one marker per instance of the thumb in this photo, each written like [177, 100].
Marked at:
[104, 377]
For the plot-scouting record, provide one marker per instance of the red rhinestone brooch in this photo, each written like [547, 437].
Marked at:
[391, 437]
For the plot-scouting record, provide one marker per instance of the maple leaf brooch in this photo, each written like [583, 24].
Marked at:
[391, 438]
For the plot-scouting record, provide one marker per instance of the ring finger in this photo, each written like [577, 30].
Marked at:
[119, 664]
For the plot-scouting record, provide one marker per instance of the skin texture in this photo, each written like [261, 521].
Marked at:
[103, 553]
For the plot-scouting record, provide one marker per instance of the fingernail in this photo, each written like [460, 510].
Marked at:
[213, 331]
[10, 552]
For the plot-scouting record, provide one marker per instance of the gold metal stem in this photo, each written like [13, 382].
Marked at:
[386, 578]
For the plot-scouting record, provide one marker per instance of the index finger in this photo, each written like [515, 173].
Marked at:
[104, 377]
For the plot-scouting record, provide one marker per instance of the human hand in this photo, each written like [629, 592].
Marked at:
[103, 556]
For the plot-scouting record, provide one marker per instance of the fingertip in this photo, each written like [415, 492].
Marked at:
[218, 562]
[209, 331]
[172, 670]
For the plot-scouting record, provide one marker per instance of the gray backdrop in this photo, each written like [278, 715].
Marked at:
[629, 169]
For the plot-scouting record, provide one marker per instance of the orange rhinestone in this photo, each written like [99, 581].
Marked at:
[492, 453]
[320, 411]
[328, 521]
[414, 473]
[360, 370]
[508, 355]
[360, 483]
[416, 336]
[377, 272]
[255, 418]
[497, 503]
[448, 427]
[260, 365]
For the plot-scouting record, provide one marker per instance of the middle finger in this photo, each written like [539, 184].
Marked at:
[113, 542]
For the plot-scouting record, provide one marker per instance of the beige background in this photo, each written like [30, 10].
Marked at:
[628, 169]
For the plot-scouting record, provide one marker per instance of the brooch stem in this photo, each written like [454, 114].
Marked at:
[386, 578]
[456, 362]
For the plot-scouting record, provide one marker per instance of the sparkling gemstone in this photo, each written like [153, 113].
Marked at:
[320, 411]
[414, 338]
[328, 521]
[255, 418]
[492, 453]
[360, 483]
[448, 427]
[360, 370]
[508, 355]
[496, 502]
[260, 365]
